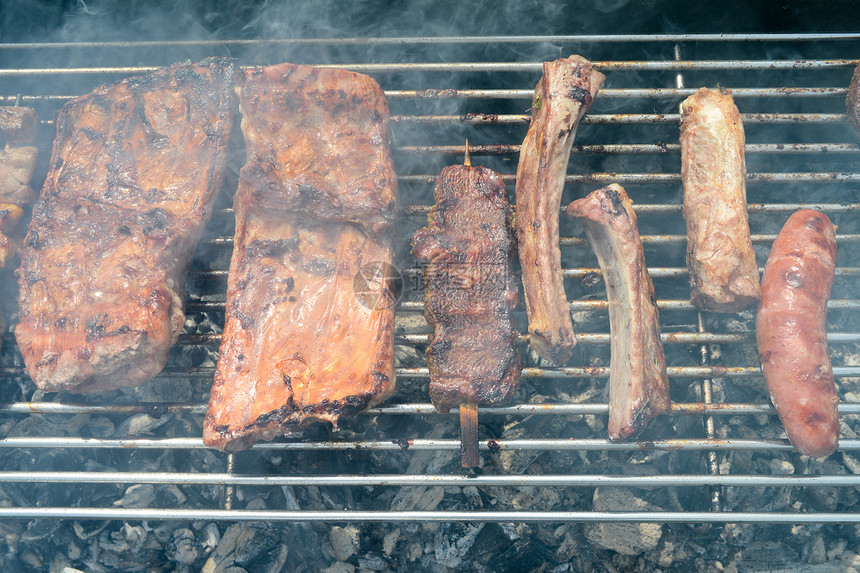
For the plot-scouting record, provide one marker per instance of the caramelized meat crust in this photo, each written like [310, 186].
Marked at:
[791, 330]
[469, 248]
[133, 176]
[720, 257]
[562, 98]
[309, 327]
[638, 384]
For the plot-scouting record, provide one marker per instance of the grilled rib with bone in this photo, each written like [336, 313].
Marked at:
[562, 98]
[638, 384]
[133, 176]
[469, 247]
[309, 325]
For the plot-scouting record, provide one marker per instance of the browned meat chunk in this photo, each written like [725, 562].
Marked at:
[309, 328]
[18, 125]
[562, 98]
[852, 103]
[792, 332]
[470, 290]
[16, 169]
[720, 257]
[638, 384]
[11, 234]
[133, 177]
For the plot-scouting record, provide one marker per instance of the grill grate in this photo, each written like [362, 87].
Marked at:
[799, 154]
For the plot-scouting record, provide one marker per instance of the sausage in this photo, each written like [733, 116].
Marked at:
[791, 332]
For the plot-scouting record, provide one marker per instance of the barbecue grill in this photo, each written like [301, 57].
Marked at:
[790, 89]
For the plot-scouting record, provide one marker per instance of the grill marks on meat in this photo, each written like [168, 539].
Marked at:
[309, 328]
[720, 258]
[792, 335]
[638, 384]
[133, 176]
[470, 291]
[562, 98]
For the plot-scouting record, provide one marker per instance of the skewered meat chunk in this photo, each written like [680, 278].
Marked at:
[562, 98]
[720, 257]
[18, 125]
[309, 326]
[470, 291]
[133, 176]
[638, 384]
[791, 331]
[16, 169]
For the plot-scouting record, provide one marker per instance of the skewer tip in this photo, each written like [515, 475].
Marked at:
[467, 161]
[469, 457]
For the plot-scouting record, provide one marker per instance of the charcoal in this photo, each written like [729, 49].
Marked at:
[249, 546]
[814, 551]
[40, 529]
[344, 542]
[454, 540]
[183, 547]
[389, 541]
[373, 562]
[138, 495]
[89, 528]
[339, 567]
[624, 538]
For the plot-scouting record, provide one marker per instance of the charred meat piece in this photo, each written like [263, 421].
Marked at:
[11, 234]
[468, 246]
[852, 103]
[562, 98]
[638, 384]
[18, 125]
[134, 173]
[792, 334]
[309, 326]
[720, 257]
[16, 169]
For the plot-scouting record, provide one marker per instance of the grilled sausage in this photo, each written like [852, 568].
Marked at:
[791, 332]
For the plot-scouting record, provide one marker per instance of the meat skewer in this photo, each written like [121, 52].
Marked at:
[132, 180]
[309, 324]
[18, 157]
[720, 257]
[18, 127]
[469, 247]
[791, 332]
[638, 384]
[562, 98]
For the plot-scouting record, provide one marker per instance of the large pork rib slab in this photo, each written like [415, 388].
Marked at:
[309, 326]
[562, 98]
[133, 176]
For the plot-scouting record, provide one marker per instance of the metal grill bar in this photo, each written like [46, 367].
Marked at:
[490, 67]
[427, 516]
[156, 408]
[572, 444]
[399, 480]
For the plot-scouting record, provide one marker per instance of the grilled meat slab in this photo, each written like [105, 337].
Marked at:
[470, 291]
[720, 258]
[562, 98]
[638, 384]
[852, 103]
[133, 177]
[309, 327]
[791, 330]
